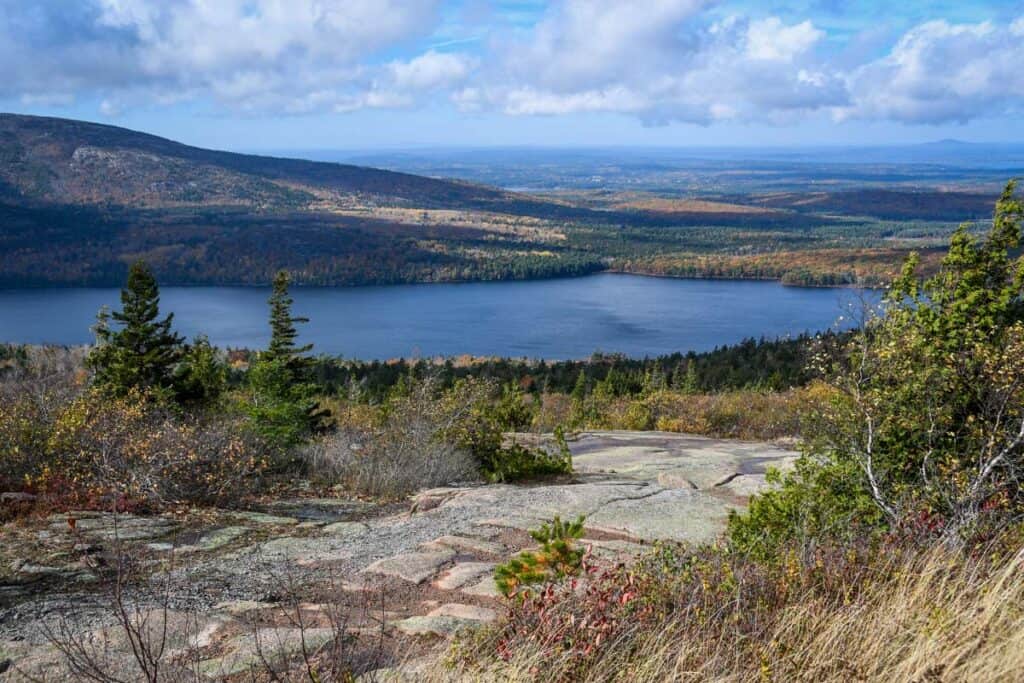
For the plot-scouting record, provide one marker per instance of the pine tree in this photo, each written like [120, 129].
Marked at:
[201, 377]
[282, 329]
[144, 352]
[691, 383]
[579, 390]
[283, 404]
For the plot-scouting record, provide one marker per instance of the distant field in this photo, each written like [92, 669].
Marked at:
[665, 205]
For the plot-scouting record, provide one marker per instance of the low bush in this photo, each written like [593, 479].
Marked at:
[141, 452]
[740, 414]
[477, 416]
[36, 386]
[135, 450]
[856, 612]
[518, 461]
[78, 446]
[424, 435]
[393, 451]
[389, 462]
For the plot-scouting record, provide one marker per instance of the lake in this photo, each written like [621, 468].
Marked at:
[555, 319]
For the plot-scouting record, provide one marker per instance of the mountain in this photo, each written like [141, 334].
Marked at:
[63, 161]
[80, 201]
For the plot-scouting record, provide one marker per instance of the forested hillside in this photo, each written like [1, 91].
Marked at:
[79, 202]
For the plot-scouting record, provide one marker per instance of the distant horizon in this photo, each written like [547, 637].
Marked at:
[639, 146]
[542, 147]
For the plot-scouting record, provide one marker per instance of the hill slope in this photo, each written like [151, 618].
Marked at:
[66, 161]
[79, 201]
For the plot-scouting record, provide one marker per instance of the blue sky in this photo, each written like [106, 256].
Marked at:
[357, 74]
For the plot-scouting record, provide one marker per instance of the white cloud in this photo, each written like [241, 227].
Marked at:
[662, 61]
[772, 40]
[940, 72]
[583, 44]
[658, 60]
[254, 55]
[528, 101]
[431, 70]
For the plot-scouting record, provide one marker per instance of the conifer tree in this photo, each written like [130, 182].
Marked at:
[579, 390]
[691, 383]
[144, 351]
[283, 404]
[201, 378]
[283, 334]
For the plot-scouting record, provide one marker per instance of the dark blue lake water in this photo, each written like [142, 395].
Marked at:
[557, 319]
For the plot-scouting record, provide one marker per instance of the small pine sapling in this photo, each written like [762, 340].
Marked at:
[558, 557]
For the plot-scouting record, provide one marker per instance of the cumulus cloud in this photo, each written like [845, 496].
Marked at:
[430, 70]
[658, 60]
[770, 39]
[283, 55]
[940, 72]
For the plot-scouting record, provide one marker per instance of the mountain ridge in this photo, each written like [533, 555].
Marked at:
[55, 160]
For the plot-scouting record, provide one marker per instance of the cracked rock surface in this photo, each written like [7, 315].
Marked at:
[633, 488]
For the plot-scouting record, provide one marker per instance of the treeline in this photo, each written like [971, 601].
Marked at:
[751, 364]
[46, 247]
[809, 268]
[768, 364]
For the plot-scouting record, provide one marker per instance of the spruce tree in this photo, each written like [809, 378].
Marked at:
[284, 406]
[143, 351]
[579, 390]
[691, 383]
[283, 334]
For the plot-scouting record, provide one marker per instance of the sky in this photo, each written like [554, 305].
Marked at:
[384, 74]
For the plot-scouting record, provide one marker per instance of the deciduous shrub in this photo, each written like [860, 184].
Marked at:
[925, 417]
[479, 413]
[36, 386]
[399, 451]
[424, 436]
[81, 446]
[740, 414]
[136, 450]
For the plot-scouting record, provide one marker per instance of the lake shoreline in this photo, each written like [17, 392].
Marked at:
[300, 285]
[552, 319]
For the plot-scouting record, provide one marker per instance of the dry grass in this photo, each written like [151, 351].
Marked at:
[741, 414]
[912, 616]
[938, 621]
